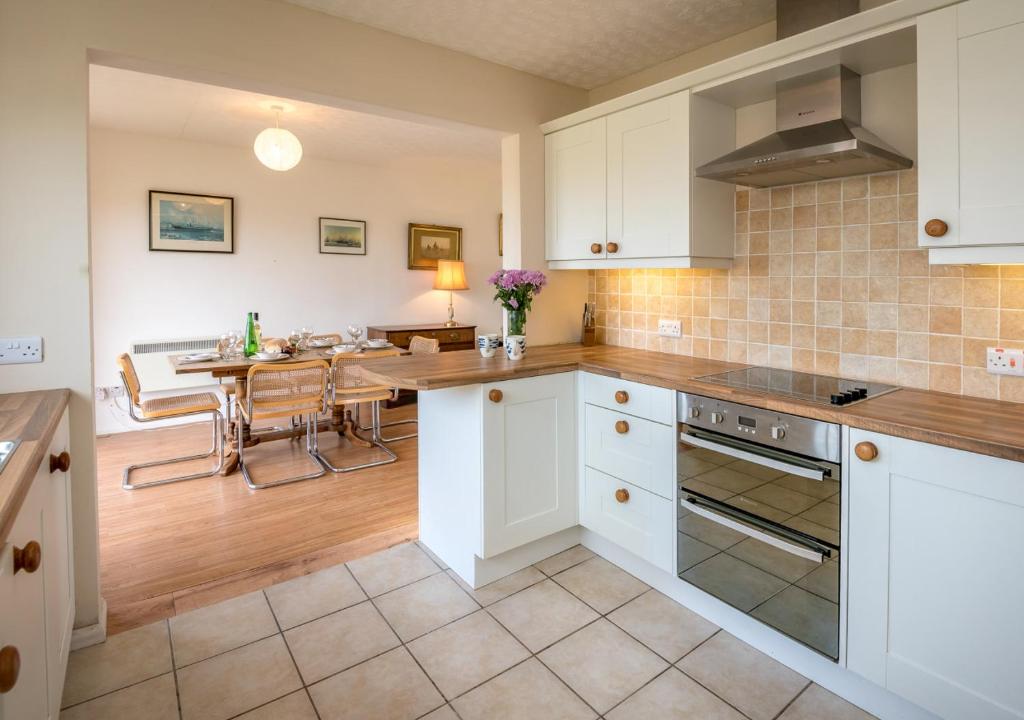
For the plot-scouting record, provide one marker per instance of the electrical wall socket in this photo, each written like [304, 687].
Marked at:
[669, 328]
[106, 392]
[1005, 361]
[17, 350]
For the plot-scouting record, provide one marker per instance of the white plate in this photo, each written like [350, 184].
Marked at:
[269, 357]
[378, 344]
[201, 357]
[343, 349]
[319, 343]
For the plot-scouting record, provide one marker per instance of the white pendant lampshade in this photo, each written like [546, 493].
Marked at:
[278, 149]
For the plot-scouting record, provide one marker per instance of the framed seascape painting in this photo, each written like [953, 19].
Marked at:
[342, 237]
[430, 243]
[183, 222]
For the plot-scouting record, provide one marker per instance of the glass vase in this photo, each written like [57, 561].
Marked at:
[516, 322]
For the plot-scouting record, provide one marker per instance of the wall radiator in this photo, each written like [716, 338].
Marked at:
[155, 372]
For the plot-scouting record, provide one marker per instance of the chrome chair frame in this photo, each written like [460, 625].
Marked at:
[312, 424]
[375, 436]
[216, 448]
[393, 423]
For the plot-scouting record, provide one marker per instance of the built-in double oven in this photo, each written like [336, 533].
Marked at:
[759, 515]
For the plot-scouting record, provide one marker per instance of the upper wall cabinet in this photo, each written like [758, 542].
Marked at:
[970, 110]
[620, 189]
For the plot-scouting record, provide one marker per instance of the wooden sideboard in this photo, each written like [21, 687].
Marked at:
[460, 337]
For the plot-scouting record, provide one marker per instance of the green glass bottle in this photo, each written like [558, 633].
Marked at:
[252, 345]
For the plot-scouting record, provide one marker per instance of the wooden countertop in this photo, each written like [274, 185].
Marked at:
[989, 427]
[31, 417]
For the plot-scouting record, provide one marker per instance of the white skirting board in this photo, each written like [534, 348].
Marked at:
[836, 679]
[89, 635]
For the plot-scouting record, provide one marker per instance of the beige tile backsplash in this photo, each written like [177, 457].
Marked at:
[828, 278]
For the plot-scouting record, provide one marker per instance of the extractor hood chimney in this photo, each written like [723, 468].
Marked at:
[817, 120]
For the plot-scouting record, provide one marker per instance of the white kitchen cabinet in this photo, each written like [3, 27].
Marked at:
[633, 201]
[633, 449]
[574, 170]
[935, 588]
[970, 105]
[529, 461]
[38, 606]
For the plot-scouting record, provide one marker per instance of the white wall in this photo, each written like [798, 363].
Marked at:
[276, 268]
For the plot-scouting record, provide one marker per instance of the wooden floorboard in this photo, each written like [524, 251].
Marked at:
[173, 548]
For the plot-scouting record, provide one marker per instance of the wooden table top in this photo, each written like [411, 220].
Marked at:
[989, 427]
[240, 366]
[31, 417]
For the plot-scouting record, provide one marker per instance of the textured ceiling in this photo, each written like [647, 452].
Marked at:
[155, 105]
[585, 43]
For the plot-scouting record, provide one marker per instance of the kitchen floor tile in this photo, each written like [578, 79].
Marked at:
[673, 696]
[311, 596]
[499, 589]
[542, 614]
[392, 568]
[339, 641]
[709, 532]
[781, 498]
[825, 514]
[730, 479]
[563, 560]
[124, 659]
[600, 584]
[819, 489]
[772, 560]
[746, 678]
[602, 664]
[211, 630]
[154, 699]
[806, 617]
[816, 702]
[236, 681]
[687, 465]
[444, 712]
[424, 606]
[291, 707]
[430, 554]
[734, 581]
[690, 551]
[528, 690]
[712, 491]
[823, 581]
[467, 652]
[389, 687]
[663, 625]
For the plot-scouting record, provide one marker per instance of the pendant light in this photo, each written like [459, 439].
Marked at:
[276, 147]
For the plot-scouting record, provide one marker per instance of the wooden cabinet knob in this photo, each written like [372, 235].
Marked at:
[10, 667]
[613, 247]
[621, 427]
[495, 395]
[595, 248]
[622, 495]
[60, 462]
[28, 558]
[866, 451]
[936, 227]
[621, 397]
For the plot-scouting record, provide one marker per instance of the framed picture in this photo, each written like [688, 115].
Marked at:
[501, 234]
[430, 243]
[342, 237]
[183, 222]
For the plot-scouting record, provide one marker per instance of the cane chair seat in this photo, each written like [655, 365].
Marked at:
[273, 391]
[348, 385]
[420, 345]
[166, 407]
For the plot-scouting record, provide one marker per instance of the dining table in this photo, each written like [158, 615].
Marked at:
[238, 368]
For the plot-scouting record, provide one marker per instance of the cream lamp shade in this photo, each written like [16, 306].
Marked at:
[451, 275]
[278, 149]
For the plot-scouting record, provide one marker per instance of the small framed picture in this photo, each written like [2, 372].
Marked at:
[183, 222]
[501, 234]
[339, 236]
[430, 243]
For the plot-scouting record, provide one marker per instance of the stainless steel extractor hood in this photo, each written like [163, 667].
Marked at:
[817, 132]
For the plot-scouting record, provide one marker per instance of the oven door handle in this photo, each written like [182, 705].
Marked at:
[703, 508]
[813, 473]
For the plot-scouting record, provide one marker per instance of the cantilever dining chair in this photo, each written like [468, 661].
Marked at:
[348, 388]
[418, 345]
[283, 391]
[335, 338]
[178, 406]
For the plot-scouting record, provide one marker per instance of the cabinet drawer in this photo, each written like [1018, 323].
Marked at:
[446, 336]
[638, 451]
[645, 401]
[636, 520]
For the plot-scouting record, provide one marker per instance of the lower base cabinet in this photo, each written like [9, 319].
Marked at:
[936, 585]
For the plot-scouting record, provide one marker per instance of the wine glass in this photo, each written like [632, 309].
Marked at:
[295, 339]
[356, 333]
[307, 333]
[230, 341]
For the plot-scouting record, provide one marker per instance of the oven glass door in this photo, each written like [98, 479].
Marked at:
[759, 529]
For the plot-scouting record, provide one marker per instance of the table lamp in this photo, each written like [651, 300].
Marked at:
[451, 275]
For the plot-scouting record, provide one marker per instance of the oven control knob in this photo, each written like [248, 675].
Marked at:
[778, 432]
[716, 418]
[695, 412]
